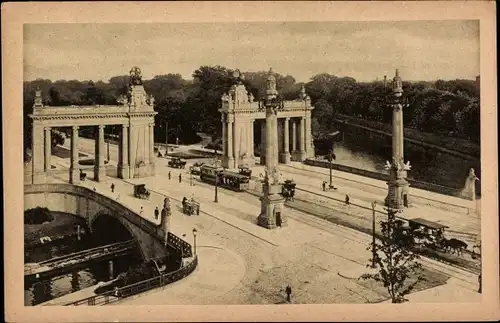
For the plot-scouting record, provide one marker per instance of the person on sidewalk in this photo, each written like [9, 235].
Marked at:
[157, 212]
[169, 175]
[142, 210]
[347, 200]
[288, 291]
[180, 177]
[112, 187]
[324, 186]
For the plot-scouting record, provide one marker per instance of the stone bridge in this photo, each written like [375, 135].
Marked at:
[153, 240]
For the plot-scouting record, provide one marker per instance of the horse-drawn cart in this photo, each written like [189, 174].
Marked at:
[288, 190]
[177, 163]
[190, 207]
[141, 192]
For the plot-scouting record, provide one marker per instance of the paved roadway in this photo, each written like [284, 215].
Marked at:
[252, 265]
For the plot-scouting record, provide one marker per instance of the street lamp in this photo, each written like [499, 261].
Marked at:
[194, 236]
[373, 234]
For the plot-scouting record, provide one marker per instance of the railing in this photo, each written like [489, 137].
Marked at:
[136, 288]
[179, 244]
[452, 191]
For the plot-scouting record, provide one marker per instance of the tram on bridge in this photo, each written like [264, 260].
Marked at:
[227, 179]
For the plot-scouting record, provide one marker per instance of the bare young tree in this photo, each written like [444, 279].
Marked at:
[394, 259]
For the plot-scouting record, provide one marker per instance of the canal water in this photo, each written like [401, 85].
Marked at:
[431, 167]
[46, 290]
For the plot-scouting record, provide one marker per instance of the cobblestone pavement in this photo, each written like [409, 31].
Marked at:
[317, 258]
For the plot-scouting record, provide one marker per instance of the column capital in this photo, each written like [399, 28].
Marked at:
[75, 128]
[101, 126]
[47, 128]
[287, 118]
[124, 125]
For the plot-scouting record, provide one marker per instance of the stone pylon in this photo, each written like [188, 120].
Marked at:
[398, 186]
[271, 214]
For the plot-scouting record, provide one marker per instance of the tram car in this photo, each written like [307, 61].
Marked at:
[225, 178]
[245, 171]
[195, 169]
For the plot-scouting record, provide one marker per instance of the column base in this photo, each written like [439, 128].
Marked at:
[39, 177]
[74, 176]
[228, 162]
[299, 156]
[123, 171]
[285, 158]
[100, 174]
[271, 215]
[398, 194]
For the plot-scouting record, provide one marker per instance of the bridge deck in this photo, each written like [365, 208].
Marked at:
[65, 263]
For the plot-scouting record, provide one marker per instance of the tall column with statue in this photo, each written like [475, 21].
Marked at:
[398, 186]
[271, 214]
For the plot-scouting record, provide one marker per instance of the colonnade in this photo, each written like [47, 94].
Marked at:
[132, 162]
[238, 140]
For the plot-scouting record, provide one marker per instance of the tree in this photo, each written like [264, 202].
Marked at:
[394, 259]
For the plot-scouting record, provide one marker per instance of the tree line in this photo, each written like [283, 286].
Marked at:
[446, 108]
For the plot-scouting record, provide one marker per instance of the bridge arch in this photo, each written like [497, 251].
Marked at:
[91, 206]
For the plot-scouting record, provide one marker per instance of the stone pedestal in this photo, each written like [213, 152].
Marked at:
[398, 191]
[272, 207]
[285, 158]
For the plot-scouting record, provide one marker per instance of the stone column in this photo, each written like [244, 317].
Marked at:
[132, 151]
[151, 149]
[251, 135]
[286, 142]
[230, 155]
[309, 137]
[47, 146]
[263, 142]
[302, 140]
[294, 136]
[37, 155]
[224, 137]
[74, 169]
[99, 166]
[123, 165]
[237, 143]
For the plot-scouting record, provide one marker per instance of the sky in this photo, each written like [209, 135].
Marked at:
[422, 50]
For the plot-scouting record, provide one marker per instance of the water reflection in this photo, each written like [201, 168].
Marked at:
[427, 166]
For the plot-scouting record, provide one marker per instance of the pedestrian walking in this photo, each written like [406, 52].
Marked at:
[157, 212]
[169, 175]
[180, 178]
[142, 210]
[288, 291]
[347, 199]
[95, 189]
[324, 185]
[112, 187]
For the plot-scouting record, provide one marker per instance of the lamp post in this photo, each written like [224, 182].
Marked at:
[108, 150]
[166, 138]
[216, 199]
[194, 237]
[331, 158]
[373, 234]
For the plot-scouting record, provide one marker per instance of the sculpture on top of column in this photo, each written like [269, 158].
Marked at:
[271, 202]
[38, 98]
